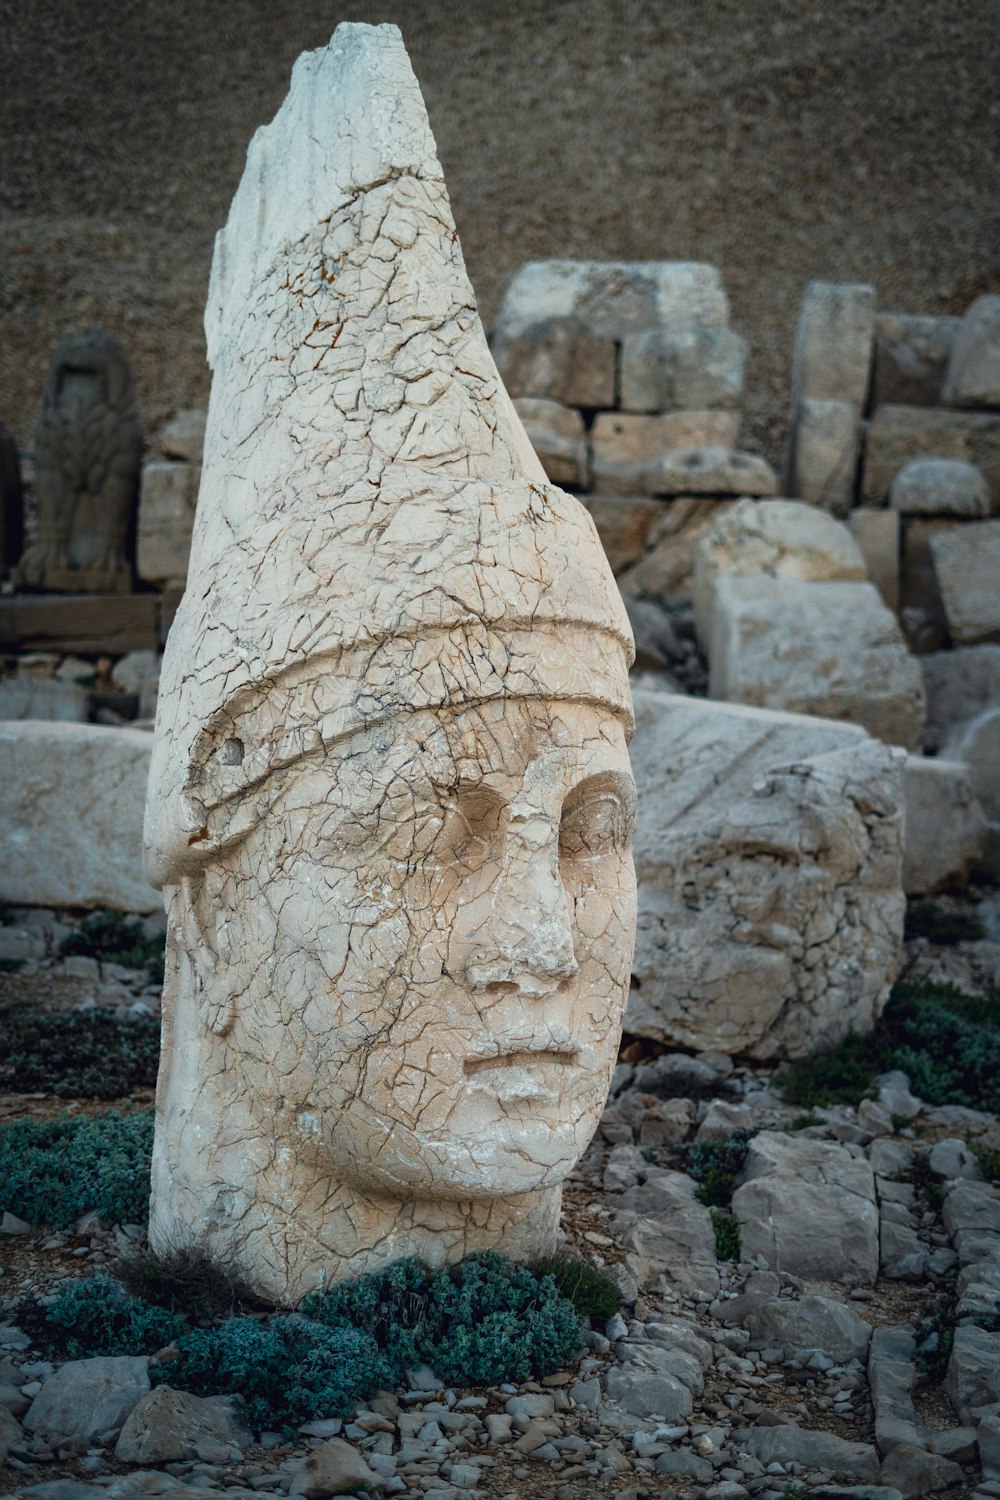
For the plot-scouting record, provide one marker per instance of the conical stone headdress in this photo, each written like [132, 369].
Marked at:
[374, 532]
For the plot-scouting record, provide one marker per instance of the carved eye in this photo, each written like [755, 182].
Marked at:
[472, 827]
[595, 821]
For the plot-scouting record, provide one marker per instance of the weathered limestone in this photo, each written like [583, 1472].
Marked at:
[666, 569]
[973, 377]
[184, 435]
[87, 454]
[832, 649]
[390, 799]
[945, 825]
[780, 538]
[959, 684]
[768, 852]
[898, 434]
[977, 745]
[557, 436]
[834, 343]
[967, 564]
[625, 446]
[911, 357]
[921, 610]
[822, 456]
[709, 471]
[624, 524]
[167, 501]
[676, 369]
[29, 697]
[877, 534]
[73, 834]
[940, 487]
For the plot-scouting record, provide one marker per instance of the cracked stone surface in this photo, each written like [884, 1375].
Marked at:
[390, 800]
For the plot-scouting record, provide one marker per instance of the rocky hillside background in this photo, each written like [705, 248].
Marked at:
[783, 140]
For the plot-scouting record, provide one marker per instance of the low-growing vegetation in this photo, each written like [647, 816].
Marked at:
[89, 1054]
[112, 938]
[715, 1165]
[728, 1240]
[54, 1171]
[592, 1291]
[927, 919]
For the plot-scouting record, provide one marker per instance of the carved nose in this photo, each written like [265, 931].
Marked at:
[526, 942]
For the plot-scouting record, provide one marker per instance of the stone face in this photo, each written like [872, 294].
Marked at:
[945, 825]
[168, 1426]
[822, 460]
[834, 343]
[167, 501]
[390, 799]
[88, 1396]
[184, 435]
[977, 745]
[911, 357]
[808, 1207]
[831, 649]
[973, 376]
[940, 487]
[88, 448]
[624, 446]
[73, 834]
[780, 538]
[709, 471]
[767, 848]
[898, 434]
[557, 436]
[877, 534]
[967, 564]
[959, 685]
[693, 368]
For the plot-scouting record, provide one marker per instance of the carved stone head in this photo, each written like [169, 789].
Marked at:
[390, 804]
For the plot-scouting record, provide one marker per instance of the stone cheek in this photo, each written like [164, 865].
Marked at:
[402, 995]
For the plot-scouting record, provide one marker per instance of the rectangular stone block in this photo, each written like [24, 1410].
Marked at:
[834, 343]
[167, 501]
[623, 524]
[685, 368]
[898, 434]
[613, 298]
[28, 696]
[71, 824]
[822, 459]
[921, 610]
[960, 684]
[945, 825]
[556, 433]
[768, 857]
[665, 571]
[877, 534]
[967, 564]
[832, 649]
[91, 624]
[911, 357]
[624, 445]
[973, 375]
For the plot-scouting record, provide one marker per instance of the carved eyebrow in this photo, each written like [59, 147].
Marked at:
[601, 783]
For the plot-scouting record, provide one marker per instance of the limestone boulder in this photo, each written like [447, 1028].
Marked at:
[973, 1375]
[878, 535]
[834, 343]
[665, 570]
[811, 1322]
[28, 696]
[959, 685]
[967, 564]
[973, 376]
[808, 1207]
[921, 609]
[88, 1398]
[946, 828]
[780, 538]
[709, 471]
[768, 857]
[625, 445]
[168, 1426]
[167, 499]
[898, 434]
[911, 357]
[822, 458]
[73, 834]
[664, 369]
[557, 436]
[624, 524]
[183, 437]
[976, 745]
[334, 1468]
[826, 648]
[940, 487]
[815, 1449]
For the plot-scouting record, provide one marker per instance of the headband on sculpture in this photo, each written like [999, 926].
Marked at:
[374, 533]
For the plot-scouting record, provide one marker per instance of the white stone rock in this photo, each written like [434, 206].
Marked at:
[767, 852]
[973, 378]
[940, 487]
[624, 524]
[945, 834]
[86, 1397]
[826, 648]
[709, 471]
[977, 745]
[781, 538]
[665, 369]
[30, 697]
[877, 534]
[811, 1322]
[72, 836]
[834, 343]
[390, 795]
[184, 435]
[911, 357]
[334, 1468]
[959, 685]
[614, 298]
[167, 500]
[967, 564]
[822, 460]
[624, 446]
[808, 1207]
[898, 434]
[168, 1426]
[557, 436]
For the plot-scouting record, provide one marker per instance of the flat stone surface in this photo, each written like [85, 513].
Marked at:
[557, 436]
[665, 571]
[945, 825]
[967, 563]
[73, 834]
[767, 849]
[91, 624]
[831, 649]
[623, 445]
[811, 1322]
[822, 458]
[973, 1375]
[167, 499]
[834, 343]
[698, 367]
[30, 697]
[812, 1449]
[877, 534]
[973, 375]
[183, 437]
[88, 1396]
[959, 685]
[624, 524]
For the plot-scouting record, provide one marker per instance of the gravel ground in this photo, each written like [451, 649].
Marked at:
[782, 140]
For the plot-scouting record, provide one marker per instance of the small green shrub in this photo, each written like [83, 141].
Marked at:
[53, 1171]
[728, 1240]
[288, 1370]
[77, 1054]
[989, 1161]
[112, 938]
[480, 1322]
[716, 1164]
[184, 1280]
[927, 919]
[592, 1292]
[11, 965]
[97, 1316]
[842, 1075]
